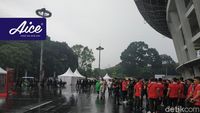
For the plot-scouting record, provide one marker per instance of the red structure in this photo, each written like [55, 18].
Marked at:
[7, 83]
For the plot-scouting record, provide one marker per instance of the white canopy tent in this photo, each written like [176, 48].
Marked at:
[107, 77]
[2, 78]
[77, 74]
[2, 71]
[68, 77]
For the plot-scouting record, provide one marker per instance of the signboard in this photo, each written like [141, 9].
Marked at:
[22, 28]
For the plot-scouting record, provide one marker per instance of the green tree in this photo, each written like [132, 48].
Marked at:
[95, 72]
[168, 65]
[154, 61]
[17, 56]
[139, 60]
[115, 71]
[166, 59]
[85, 58]
[57, 57]
[25, 55]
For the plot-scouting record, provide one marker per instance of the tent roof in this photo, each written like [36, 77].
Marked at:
[69, 73]
[77, 74]
[2, 71]
[107, 77]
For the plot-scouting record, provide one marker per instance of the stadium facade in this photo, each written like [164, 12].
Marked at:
[178, 20]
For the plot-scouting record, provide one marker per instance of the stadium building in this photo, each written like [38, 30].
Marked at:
[178, 20]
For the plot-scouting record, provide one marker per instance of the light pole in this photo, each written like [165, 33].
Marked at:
[165, 63]
[99, 49]
[44, 14]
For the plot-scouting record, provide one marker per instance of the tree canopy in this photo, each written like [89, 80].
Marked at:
[85, 58]
[25, 56]
[140, 60]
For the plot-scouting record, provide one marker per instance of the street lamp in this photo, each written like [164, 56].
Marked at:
[99, 49]
[165, 63]
[44, 14]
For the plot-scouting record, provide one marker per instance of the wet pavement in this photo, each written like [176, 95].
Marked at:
[28, 99]
[89, 103]
[66, 100]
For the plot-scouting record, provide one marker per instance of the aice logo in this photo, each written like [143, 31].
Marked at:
[24, 28]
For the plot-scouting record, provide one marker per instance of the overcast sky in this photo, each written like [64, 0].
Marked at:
[112, 23]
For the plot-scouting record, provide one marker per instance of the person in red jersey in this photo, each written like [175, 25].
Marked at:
[182, 96]
[173, 92]
[124, 89]
[160, 94]
[153, 92]
[116, 91]
[138, 94]
[165, 97]
[189, 92]
[196, 95]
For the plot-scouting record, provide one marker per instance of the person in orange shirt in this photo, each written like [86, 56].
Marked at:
[173, 93]
[138, 94]
[153, 93]
[196, 95]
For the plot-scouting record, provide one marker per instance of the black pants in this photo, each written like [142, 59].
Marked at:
[116, 97]
[188, 104]
[138, 102]
[166, 101]
[181, 102]
[109, 91]
[130, 97]
[124, 95]
[173, 102]
[153, 104]
[159, 102]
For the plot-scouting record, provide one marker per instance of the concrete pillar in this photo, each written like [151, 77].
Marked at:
[186, 28]
[177, 37]
[197, 9]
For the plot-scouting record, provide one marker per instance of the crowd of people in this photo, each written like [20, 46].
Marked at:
[83, 85]
[157, 93]
[152, 95]
[32, 83]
